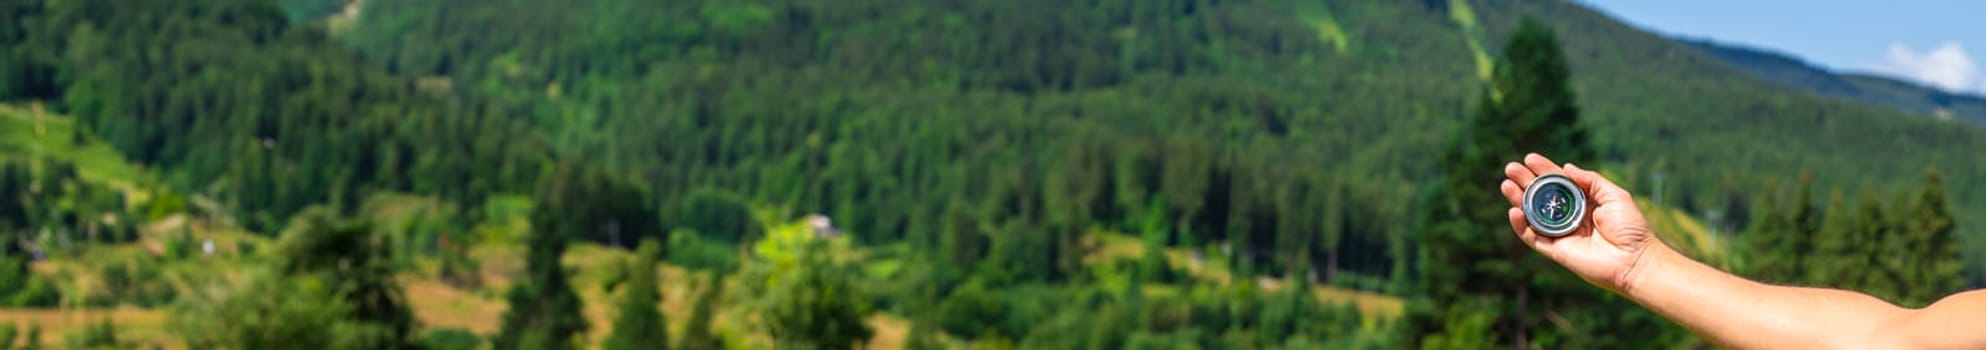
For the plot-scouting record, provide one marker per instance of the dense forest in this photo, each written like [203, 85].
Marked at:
[1027, 174]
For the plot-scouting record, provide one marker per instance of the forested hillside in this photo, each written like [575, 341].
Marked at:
[1023, 121]
[1032, 173]
[1027, 96]
[243, 106]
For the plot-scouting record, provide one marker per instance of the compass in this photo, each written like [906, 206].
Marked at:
[1554, 206]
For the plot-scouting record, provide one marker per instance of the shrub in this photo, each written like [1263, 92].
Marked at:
[7, 334]
[689, 249]
[37, 293]
[134, 282]
[970, 311]
[99, 335]
[451, 339]
[719, 214]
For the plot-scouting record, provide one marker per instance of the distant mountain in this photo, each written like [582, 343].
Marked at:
[1857, 87]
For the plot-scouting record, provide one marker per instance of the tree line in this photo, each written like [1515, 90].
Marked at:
[985, 144]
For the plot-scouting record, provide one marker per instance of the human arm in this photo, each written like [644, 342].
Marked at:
[1616, 250]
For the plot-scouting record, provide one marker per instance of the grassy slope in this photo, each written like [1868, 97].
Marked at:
[26, 132]
[438, 305]
[1116, 246]
[435, 304]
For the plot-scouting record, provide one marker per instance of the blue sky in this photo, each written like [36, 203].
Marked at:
[1937, 42]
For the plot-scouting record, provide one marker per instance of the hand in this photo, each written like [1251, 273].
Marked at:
[1606, 248]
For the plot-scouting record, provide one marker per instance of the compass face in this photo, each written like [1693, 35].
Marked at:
[1553, 205]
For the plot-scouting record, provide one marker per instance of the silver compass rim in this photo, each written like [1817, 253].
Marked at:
[1579, 206]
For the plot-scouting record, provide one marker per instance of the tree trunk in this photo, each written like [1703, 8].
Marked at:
[1519, 332]
[1331, 266]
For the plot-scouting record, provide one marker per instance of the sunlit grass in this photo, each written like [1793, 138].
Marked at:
[1472, 32]
[1319, 18]
[29, 133]
[1110, 246]
[1685, 233]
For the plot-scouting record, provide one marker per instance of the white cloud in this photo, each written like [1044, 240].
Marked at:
[1945, 67]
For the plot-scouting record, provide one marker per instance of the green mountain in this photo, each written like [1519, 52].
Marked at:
[1361, 92]
[985, 141]
[1856, 87]
[925, 122]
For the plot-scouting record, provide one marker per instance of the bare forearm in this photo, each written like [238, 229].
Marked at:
[1741, 313]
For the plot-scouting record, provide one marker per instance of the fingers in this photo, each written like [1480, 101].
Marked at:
[1519, 175]
[1518, 225]
[1523, 229]
[1512, 192]
[1539, 165]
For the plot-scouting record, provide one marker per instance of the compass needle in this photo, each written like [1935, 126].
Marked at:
[1553, 205]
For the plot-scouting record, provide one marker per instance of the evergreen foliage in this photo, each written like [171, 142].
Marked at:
[697, 333]
[97, 335]
[972, 149]
[544, 311]
[1900, 247]
[238, 102]
[1526, 108]
[639, 324]
[451, 339]
[329, 288]
[817, 305]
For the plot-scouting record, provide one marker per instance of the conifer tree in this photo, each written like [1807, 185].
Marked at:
[924, 329]
[1833, 245]
[817, 305]
[697, 333]
[1932, 267]
[1870, 241]
[640, 325]
[350, 253]
[544, 312]
[1782, 235]
[1468, 256]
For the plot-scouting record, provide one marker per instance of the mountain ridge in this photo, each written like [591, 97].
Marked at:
[1860, 87]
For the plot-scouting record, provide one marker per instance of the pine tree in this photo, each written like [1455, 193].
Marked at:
[1762, 237]
[544, 311]
[697, 333]
[1468, 256]
[640, 325]
[1873, 241]
[99, 335]
[350, 254]
[1782, 236]
[817, 305]
[1152, 265]
[1834, 246]
[924, 329]
[1932, 267]
[1336, 221]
